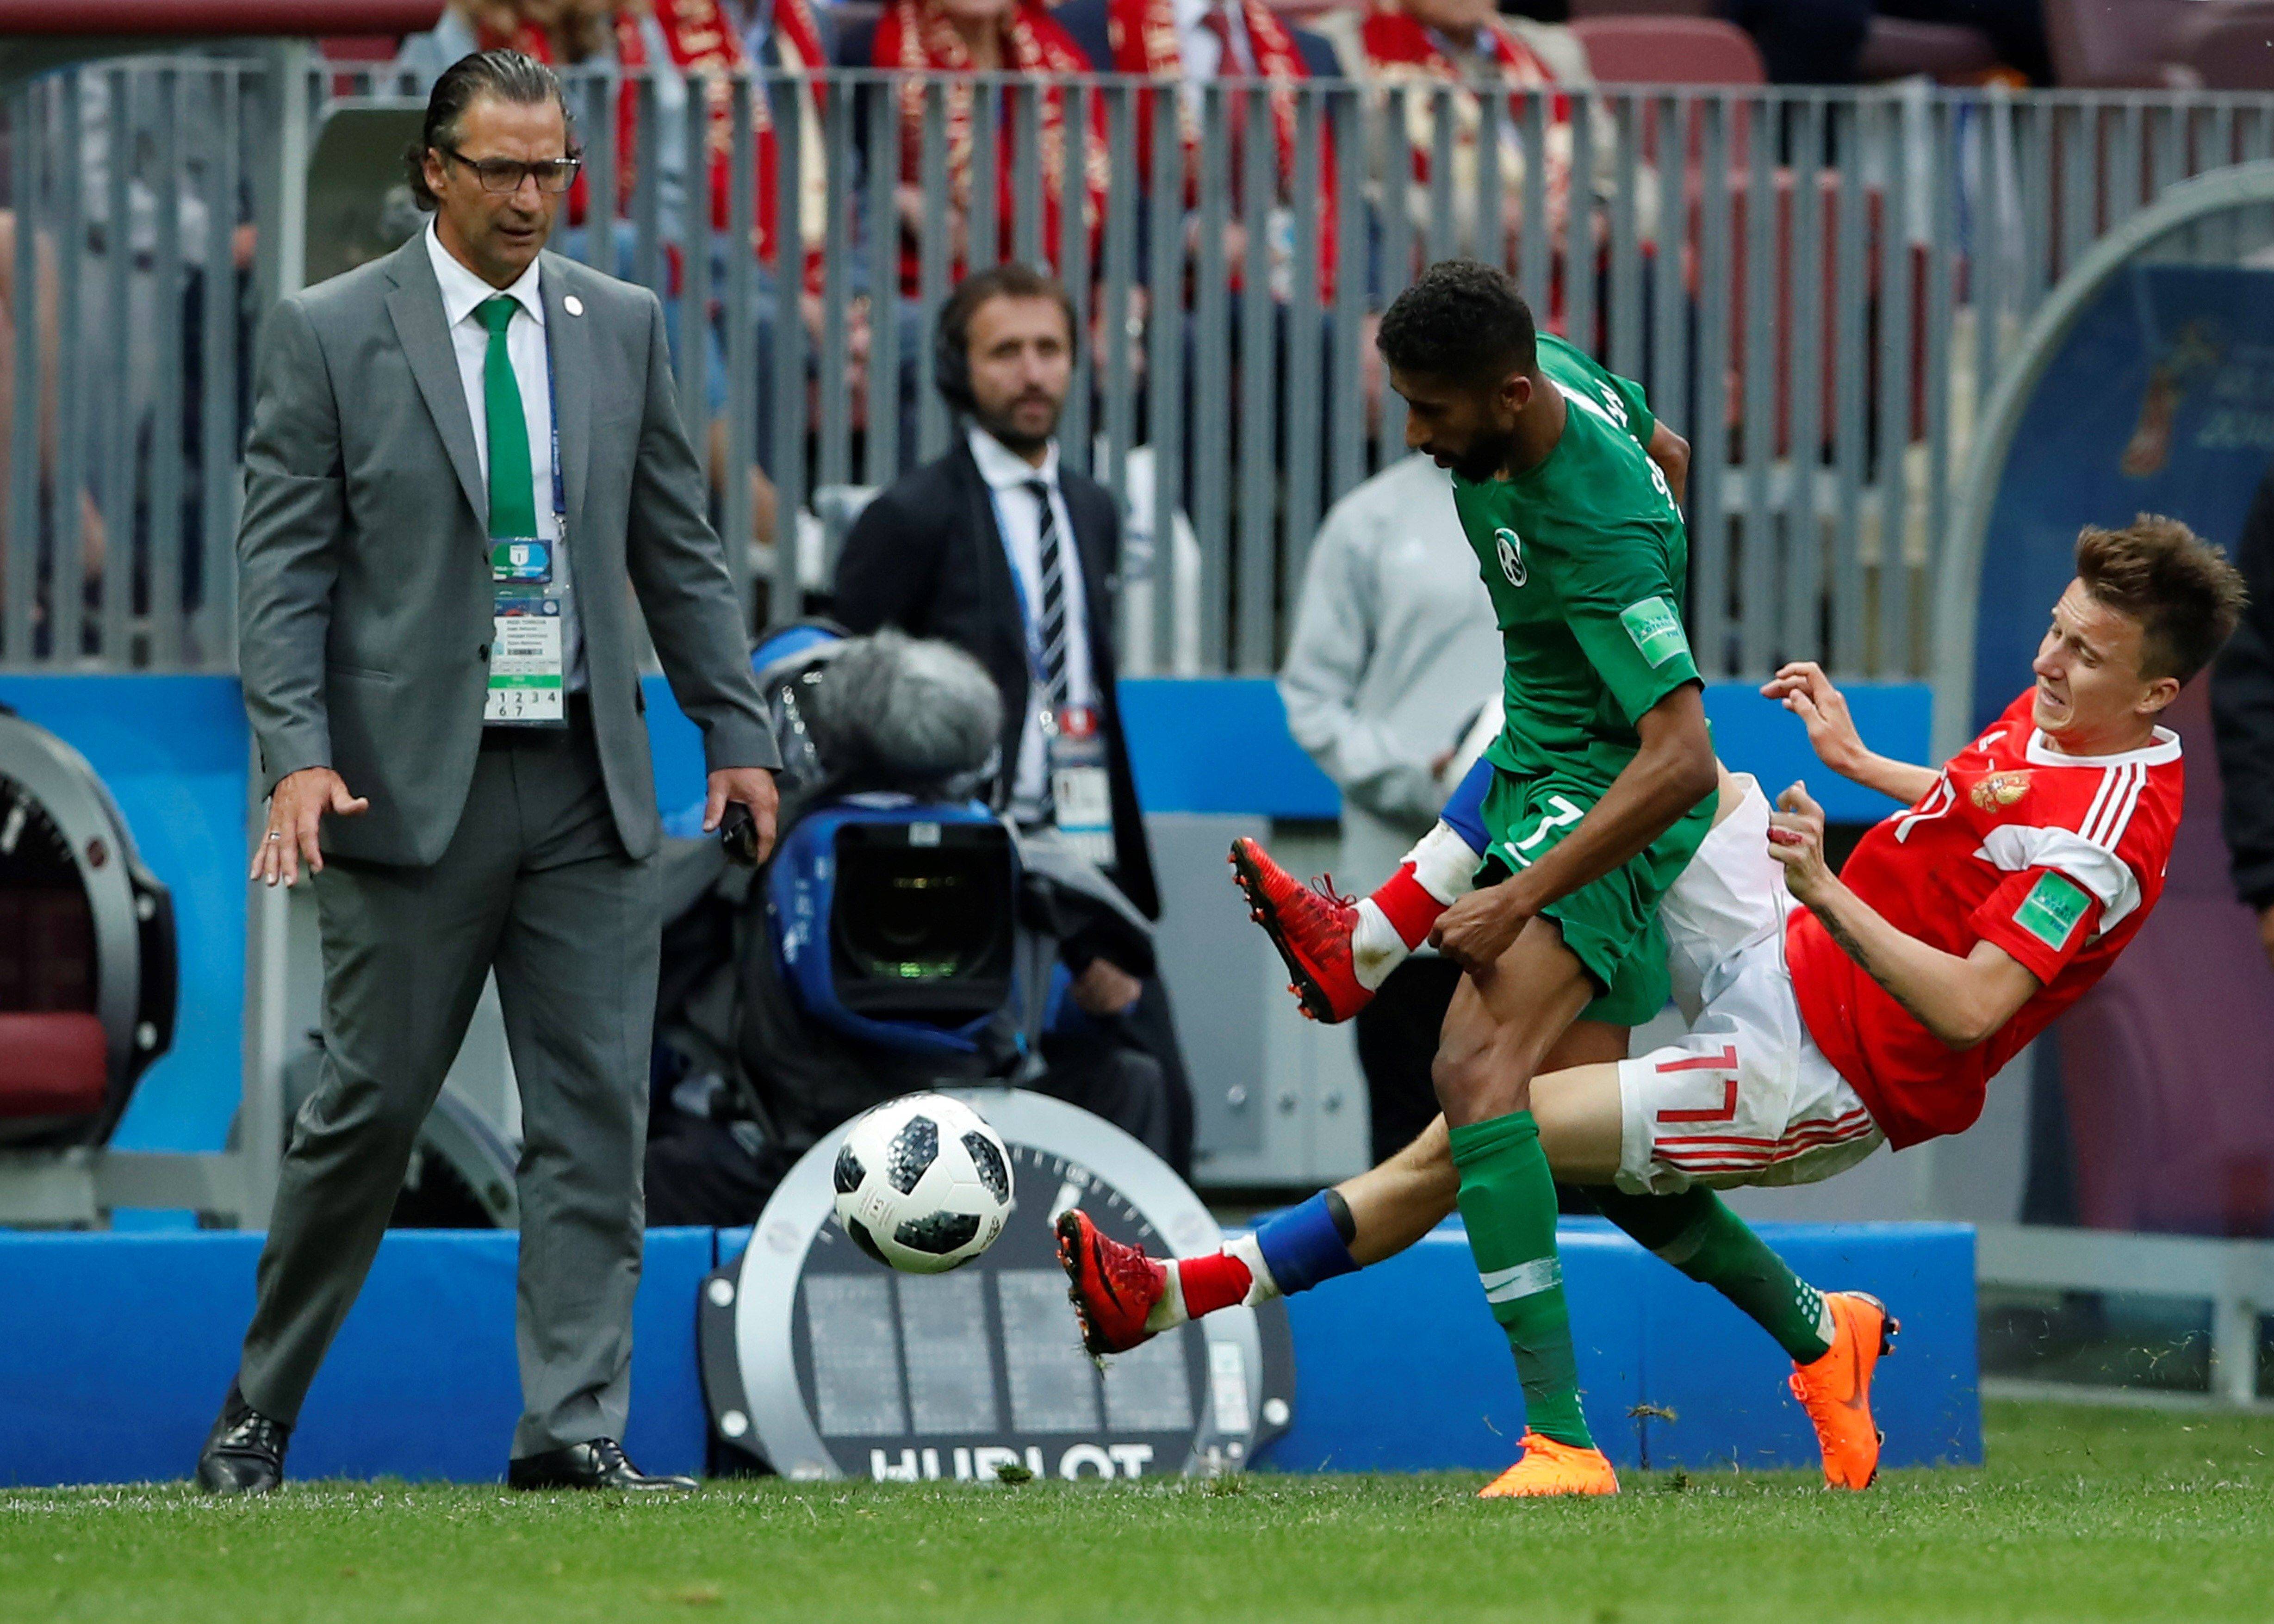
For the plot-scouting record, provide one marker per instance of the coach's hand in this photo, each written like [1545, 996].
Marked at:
[1476, 930]
[1802, 688]
[1796, 840]
[295, 808]
[752, 787]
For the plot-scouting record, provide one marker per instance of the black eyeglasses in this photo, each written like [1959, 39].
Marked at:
[504, 175]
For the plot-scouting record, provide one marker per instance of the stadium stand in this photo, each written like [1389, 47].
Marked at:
[1669, 50]
[1892, 47]
[2149, 43]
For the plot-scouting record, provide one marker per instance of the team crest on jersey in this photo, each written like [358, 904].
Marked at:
[2000, 789]
[1512, 556]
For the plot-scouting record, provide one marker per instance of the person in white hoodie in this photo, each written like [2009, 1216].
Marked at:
[1395, 653]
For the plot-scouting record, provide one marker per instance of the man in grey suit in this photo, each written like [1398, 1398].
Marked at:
[439, 660]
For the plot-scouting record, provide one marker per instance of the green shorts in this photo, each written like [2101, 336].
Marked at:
[1612, 923]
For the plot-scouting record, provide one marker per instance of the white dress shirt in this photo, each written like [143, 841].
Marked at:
[1019, 519]
[462, 292]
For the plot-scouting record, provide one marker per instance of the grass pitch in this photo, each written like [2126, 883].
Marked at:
[2081, 1513]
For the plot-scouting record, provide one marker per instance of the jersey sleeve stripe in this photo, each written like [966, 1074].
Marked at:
[2125, 780]
[2108, 776]
[2111, 790]
[2122, 817]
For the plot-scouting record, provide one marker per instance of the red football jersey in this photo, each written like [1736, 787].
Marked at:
[2057, 859]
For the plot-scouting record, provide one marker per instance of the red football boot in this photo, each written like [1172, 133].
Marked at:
[1310, 926]
[1113, 1287]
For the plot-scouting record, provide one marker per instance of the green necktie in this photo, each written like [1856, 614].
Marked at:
[513, 488]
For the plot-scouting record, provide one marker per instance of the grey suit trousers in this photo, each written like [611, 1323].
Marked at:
[536, 885]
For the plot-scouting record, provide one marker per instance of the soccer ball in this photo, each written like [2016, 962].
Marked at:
[923, 1184]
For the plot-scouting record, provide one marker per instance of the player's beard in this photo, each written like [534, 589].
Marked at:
[1484, 458]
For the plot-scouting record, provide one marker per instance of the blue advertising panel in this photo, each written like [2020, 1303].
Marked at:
[2160, 399]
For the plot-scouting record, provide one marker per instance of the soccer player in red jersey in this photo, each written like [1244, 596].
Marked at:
[1877, 1009]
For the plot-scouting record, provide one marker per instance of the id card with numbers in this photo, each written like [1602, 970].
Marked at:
[525, 687]
[1081, 794]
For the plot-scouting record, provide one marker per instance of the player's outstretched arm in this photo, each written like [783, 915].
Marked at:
[1802, 688]
[1672, 772]
[1961, 1001]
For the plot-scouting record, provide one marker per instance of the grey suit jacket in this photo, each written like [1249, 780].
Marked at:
[363, 570]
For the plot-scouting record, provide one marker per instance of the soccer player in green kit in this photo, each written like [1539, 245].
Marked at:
[1602, 786]
[1605, 777]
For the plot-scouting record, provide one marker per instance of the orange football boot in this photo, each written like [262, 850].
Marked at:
[1836, 1389]
[1310, 926]
[1549, 1469]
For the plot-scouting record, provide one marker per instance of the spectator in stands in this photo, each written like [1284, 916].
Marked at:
[1001, 549]
[977, 36]
[1193, 41]
[2242, 713]
[1394, 651]
[563, 32]
[1817, 41]
[1466, 42]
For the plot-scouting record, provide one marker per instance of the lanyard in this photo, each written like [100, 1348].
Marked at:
[553, 405]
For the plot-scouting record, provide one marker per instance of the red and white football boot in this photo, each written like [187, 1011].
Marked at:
[1310, 926]
[1113, 1287]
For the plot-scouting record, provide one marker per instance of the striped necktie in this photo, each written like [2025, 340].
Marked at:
[513, 485]
[1053, 617]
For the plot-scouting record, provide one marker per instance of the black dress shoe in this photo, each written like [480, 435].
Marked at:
[599, 1464]
[244, 1451]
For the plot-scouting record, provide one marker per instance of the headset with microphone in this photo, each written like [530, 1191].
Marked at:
[951, 363]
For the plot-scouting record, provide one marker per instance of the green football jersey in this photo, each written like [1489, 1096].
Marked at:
[1585, 558]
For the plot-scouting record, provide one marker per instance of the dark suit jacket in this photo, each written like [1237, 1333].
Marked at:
[927, 557]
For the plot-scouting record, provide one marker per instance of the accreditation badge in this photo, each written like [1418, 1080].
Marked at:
[527, 687]
[1081, 795]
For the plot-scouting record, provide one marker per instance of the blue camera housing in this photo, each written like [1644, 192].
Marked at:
[803, 894]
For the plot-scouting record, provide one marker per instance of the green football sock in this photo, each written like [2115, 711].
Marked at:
[1698, 1235]
[1508, 1204]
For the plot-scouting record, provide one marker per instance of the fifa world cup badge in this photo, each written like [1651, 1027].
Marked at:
[1511, 557]
[2000, 789]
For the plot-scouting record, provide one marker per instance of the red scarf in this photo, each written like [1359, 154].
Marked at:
[917, 37]
[1143, 35]
[703, 41]
[1395, 40]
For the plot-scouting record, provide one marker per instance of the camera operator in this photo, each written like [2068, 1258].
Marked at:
[1000, 549]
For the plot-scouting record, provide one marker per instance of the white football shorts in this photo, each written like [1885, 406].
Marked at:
[1746, 1097]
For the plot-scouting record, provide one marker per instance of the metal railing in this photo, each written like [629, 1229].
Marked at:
[1817, 288]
